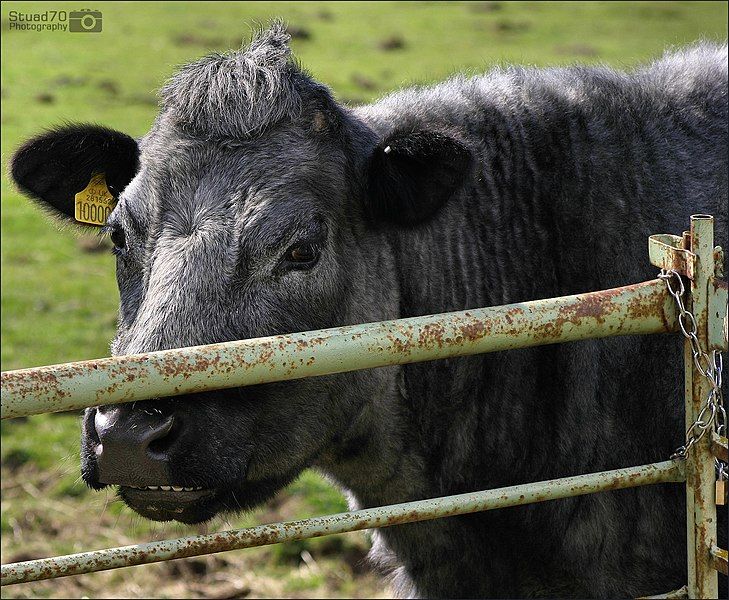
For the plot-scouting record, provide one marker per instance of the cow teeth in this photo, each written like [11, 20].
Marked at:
[165, 488]
[177, 489]
[152, 487]
[189, 489]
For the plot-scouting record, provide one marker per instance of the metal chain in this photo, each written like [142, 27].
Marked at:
[712, 413]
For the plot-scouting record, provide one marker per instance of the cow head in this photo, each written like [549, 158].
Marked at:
[256, 205]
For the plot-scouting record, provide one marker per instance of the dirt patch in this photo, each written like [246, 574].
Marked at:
[511, 26]
[109, 86]
[45, 98]
[484, 7]
[325, 15]
[298, 32]
[392, 42]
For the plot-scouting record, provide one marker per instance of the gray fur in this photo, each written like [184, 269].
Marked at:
[238, 94]
[573, 169]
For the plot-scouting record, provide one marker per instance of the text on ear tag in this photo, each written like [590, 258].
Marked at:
[95, 202]
[721, 492]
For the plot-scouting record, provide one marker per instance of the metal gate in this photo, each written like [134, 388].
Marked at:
[657, 306]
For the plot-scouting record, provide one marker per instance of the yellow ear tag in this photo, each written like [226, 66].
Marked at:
[95, 202]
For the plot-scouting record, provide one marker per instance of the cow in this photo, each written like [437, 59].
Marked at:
[258, 205]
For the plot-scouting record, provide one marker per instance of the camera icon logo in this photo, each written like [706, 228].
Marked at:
[84, 21]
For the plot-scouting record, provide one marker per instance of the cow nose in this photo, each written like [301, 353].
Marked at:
[133, 445]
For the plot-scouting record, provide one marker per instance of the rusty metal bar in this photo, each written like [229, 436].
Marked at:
[666, 251]
[383, 516]
[719, 559]
[700, 477]
[719, 321]
[719, 447]
[681, 592]
[642, 308]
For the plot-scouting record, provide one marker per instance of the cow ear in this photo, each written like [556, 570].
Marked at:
[413, 173]
[58, 164]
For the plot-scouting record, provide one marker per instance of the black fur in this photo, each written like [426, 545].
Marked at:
[58, 164]
[413, 172]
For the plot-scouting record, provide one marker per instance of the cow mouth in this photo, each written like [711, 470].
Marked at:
[168, 503]
[195, 505]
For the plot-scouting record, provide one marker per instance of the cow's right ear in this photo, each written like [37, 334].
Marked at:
[54, 166]
[415, 171]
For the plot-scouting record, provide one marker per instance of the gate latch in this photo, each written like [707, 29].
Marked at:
[669, 252]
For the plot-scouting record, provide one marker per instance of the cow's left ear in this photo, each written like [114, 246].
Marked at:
[412, 173]
[54, 166]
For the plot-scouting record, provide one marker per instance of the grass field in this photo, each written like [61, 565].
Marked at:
[59, 295]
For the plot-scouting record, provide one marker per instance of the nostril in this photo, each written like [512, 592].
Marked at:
[161, 438]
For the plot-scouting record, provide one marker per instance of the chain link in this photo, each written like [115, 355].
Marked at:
[712, 414]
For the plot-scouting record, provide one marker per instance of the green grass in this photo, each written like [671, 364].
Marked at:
[59, 301]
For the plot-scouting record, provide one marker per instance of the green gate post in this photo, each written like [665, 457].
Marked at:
[700, 478]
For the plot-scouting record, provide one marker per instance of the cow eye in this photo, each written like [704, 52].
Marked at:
[118, 238]
[302, 256]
